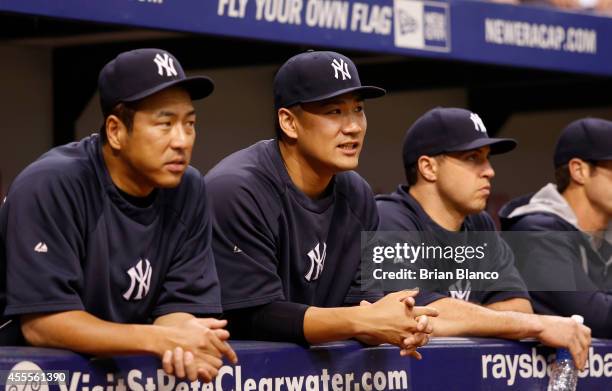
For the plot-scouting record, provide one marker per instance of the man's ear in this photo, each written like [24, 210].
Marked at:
[115, 132]
[579, 170]
[288, 123]
[428, 168]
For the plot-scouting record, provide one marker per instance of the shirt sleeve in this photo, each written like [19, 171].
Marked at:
[191, 283]
[42, 228]
[244, 241]
[363, 285]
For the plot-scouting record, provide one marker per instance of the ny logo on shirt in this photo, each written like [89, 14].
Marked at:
[342, 67]
[166, 62]
[459, 292]
[139, 277]
[317, 260]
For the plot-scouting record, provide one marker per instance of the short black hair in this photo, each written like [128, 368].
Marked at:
[412, 174]
[125, 112]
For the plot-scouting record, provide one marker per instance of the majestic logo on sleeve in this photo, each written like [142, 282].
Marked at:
[478, 124]
[166, 63]
[341, 67]
[140, 280]
[41, 247]
[317, 261]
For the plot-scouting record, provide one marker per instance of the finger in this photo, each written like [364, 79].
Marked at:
[212, 361]
[422, 322]
[231, 354]
[429, 311]
[179, 367]
[224, 349]
[364, 303]
[204, 373]
[416, 355]
[407, 293]
[409, 301]
[190, 366]
[167, 362]
[409, 342]
[221, 334]
[411, 353]
[423, 341]
[213, 323]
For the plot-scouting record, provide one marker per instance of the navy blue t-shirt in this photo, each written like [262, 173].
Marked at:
[274, 243]
[70, 241]
[399, 211]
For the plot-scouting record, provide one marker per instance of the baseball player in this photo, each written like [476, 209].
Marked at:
[446, 158]
[288, 214]
[106, 242]
[566, 260]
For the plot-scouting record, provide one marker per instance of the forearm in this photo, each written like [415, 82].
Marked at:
[459, 318]
[331, 324]
[173, 319]
[516, 304]
[84, 333]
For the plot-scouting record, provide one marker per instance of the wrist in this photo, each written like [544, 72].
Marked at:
[536, 325]
[356, 318]
[155, 339]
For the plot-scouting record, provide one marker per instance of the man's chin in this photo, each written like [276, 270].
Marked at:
[169, 182]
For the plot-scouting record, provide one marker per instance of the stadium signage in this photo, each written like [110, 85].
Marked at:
[455, 30]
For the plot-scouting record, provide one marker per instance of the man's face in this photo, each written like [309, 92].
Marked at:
[330, 133]
[598, 187]
[158, 150]
[464, 179]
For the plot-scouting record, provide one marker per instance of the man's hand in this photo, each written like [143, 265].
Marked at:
[561, 332]
[394, 319]
[194, 348]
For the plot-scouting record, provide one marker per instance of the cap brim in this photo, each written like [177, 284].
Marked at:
[366, 92]
[498, 145]
[198, 87]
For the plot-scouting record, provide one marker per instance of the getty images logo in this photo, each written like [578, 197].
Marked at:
[139, 277]
[317, 261]
[341, 66]
[166, 63]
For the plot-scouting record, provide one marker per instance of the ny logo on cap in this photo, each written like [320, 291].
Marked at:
[166, 62]
[342, 67]
[478, 124]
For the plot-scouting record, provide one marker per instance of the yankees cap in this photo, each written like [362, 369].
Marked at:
[448, 129]
[317, 75]
[139, 73]
[588, 139]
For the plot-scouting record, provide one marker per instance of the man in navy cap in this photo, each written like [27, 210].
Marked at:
[446, 158]
[565, 257]
[105, 243]
[288, 214]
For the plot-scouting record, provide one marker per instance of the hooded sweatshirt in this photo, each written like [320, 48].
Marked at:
[567, 271]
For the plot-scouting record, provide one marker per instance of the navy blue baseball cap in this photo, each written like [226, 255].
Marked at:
[589, 139]
[139, 73]
[317, 75]
[447, 129]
